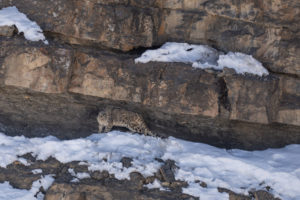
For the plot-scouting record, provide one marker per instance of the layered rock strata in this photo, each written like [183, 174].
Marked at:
[59, 88]
[267, 29]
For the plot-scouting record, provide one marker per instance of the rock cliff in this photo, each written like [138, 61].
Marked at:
[89, 63]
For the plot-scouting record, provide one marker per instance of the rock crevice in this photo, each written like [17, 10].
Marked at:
[224, 102]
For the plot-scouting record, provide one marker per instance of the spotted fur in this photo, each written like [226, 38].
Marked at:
[117, 117]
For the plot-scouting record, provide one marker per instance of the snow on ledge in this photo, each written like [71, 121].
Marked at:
[203, 56]
[242, 63]
[10, 16]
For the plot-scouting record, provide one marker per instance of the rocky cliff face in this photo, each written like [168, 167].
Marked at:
[59, 88]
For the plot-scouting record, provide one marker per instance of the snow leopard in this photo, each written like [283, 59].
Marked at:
[116, 117]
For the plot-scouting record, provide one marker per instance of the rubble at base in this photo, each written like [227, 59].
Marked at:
[102, 185]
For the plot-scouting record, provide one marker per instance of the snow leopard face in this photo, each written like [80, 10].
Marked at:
[103, 118]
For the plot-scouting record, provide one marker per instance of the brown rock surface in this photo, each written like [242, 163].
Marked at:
[59, 88]
[31, 68]
[252, 99]
[264, 195]
[77, 22]
[43, 69]
[108, 76]
[267, 29]
[289, 103]
[7, 31]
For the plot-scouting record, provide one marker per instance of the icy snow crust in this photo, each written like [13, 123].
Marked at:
[203, 56]
[234, 170]
[11, 16]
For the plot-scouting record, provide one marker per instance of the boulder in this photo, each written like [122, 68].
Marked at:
[7, 31]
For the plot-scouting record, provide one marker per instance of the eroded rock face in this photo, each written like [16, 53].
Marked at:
[267, 29]
[60, 90]
[90, 22]
[32, 69]
[252, 99]
[289, 108]
[152, 85]
[38, 68]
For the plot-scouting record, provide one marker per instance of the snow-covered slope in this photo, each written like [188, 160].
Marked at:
[7, 192]
[237, 170]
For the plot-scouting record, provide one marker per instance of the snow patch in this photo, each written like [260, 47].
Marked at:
[155, 185]
[180, 52]
[80, 175]
[238, 61]
[236, 170]
[205, 193]
[12, 16]
[203, 56]
[23, 161]
[8, 192]
[37, 171]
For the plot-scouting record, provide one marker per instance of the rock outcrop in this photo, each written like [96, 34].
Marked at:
[102, 185]
[267, 29]
[89, 64]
